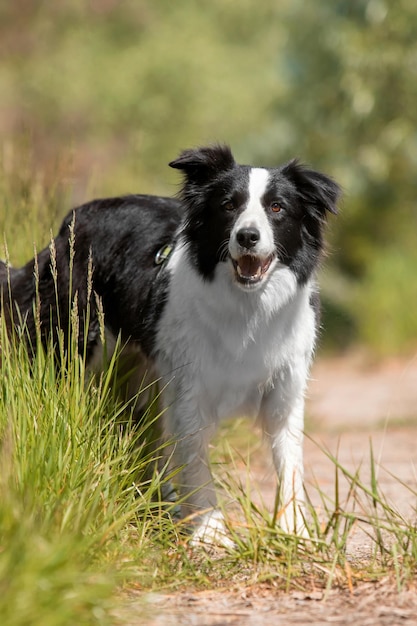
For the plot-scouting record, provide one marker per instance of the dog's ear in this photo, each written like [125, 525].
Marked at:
[202, 164]
[319, 192]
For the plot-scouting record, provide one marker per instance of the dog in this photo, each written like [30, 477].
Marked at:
[214, 293]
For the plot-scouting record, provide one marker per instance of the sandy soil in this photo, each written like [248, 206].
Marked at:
[368, 605]
[349, 393]
[350, 403]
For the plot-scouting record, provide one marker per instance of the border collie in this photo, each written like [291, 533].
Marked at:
[227, 322]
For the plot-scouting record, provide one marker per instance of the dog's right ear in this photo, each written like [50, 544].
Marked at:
[202, 164]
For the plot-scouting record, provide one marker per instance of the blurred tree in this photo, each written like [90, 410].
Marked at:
[350, 107]
[129, 84]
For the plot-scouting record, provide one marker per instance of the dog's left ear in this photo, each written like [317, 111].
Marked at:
[202, 164]
[319, 192]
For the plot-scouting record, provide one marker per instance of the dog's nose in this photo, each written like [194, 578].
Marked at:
[248, 237]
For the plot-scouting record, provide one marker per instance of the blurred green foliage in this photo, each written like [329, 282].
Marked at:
[97, 96]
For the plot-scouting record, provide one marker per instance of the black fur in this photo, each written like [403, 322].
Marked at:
[124, 234]
[229, 321]
[213, 179]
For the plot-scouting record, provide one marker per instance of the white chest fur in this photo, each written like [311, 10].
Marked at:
[226, 347]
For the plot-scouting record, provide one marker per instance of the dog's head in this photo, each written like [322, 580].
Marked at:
[255, 219]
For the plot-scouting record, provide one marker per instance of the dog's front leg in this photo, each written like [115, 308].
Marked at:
[282, 417]
[194, 482]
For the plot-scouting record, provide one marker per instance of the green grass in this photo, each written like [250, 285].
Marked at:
[81, 517]
[324, 559]
[80, 513]
[78, 502]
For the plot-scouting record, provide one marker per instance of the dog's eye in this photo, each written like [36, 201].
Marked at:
[275, 207]
[228, 205]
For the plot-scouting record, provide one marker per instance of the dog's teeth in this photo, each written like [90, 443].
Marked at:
[255, 275]
[251, 268]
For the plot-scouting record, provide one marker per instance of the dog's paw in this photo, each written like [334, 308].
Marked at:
[211, 531]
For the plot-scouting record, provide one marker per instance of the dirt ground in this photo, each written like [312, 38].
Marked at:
[368, 605]
[350, 403]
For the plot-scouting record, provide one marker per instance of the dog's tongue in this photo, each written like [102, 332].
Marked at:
[249, 266]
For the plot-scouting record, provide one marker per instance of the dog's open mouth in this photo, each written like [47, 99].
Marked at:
[250, 270]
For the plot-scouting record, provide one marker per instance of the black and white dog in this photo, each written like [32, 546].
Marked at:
[228, 321]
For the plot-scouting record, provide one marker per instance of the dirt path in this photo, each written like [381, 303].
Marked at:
[369, 605]
[350, 403]
[349, 393]
[353, 405]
